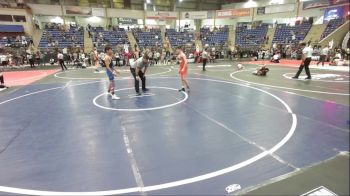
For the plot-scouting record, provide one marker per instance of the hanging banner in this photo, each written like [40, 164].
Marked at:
[194, 15]
[333, 13]
[98, 12]
[161, 15]
[279, 8]
[322, 3]
[127, 21]
[232, 13]
[75, 10]
[260, 11]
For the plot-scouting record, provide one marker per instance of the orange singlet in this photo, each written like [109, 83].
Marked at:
[182, 64]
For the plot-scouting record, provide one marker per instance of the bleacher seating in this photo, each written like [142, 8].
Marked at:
[251, 38]
[114, 37]
[180, 38]
[284, 33]
[216, 37]
[331, 26]
[14, 41]
[73, 37]
[148, 38]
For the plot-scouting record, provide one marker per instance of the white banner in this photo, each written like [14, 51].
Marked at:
[194, 15]
[279, 8]
[98, 12]
[161, 15]
[51, 10]
[76, 10]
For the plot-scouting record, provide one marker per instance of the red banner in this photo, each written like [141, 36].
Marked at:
[232, 13]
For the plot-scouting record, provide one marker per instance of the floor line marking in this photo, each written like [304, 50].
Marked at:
[142, 95]
[178, 182]
[133, 163]
[278, 158]
[296, 89]
[94, 101]
[36, 92]
[129, 77]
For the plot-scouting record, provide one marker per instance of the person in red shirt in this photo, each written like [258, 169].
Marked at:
[183, 69]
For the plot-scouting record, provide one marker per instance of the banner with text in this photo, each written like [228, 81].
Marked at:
[194, 15]
[323, 3]
[161, 15]
[333, 13]
[127, 21]
[98, 12]
[231, 13]
[76, 10]
[279, 8]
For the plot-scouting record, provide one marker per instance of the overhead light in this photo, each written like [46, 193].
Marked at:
[148, 1]
[180, 1]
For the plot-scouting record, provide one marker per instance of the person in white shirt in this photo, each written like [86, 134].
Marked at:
[323, 55]
[204, 58]
[138, 70]
[276, 58]
[306, 59]
[61, 61]
[157, 57]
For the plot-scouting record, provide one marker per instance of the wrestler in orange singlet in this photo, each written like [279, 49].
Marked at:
[183, 69]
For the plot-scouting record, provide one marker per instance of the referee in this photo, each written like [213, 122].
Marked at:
[138, 70]
[306, 59]
[61, 61]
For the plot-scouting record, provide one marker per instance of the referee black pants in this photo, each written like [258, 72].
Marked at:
[31, 63]
[307, 70]
[63, 66]
[143, 79]
[322, 59]
[2, 80]
[204, 63]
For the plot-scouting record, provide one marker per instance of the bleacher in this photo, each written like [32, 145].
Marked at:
[214, 38]
[148, 38]
[115, 37]
[13, 42]
[13, 36]
[73, 37]
[331, 26]
[284, 33]
[176, 39]
[251, 38]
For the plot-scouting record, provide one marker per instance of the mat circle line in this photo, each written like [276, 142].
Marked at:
[199, 178]
[141, 109]
[317, 80]
[56, 75]
[282, 87]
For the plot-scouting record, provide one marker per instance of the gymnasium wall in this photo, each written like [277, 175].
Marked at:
[28, 26]
[93, 21]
